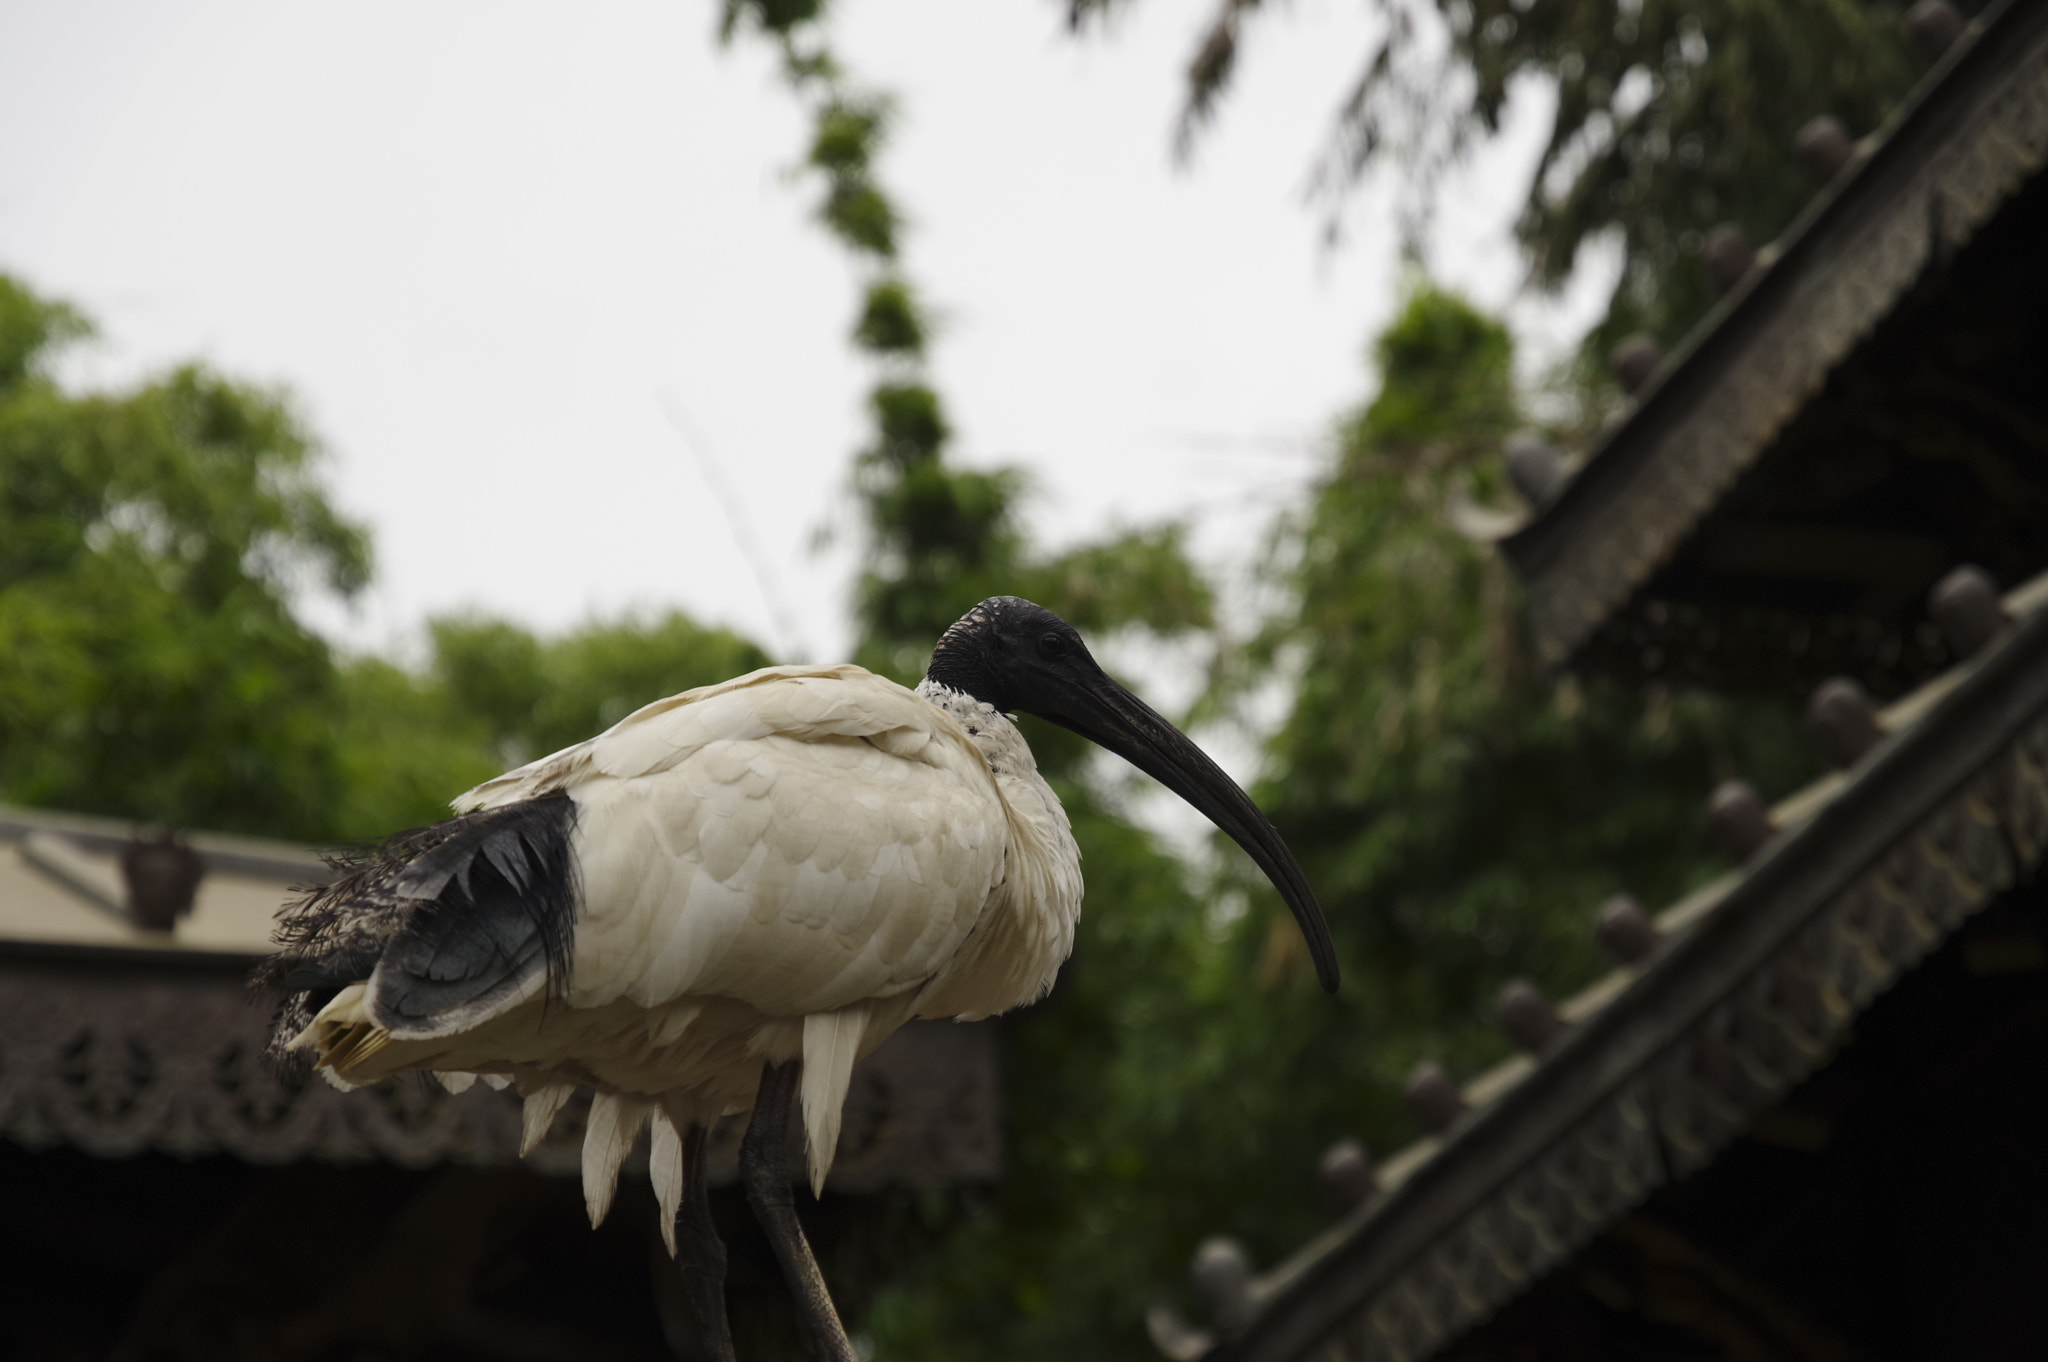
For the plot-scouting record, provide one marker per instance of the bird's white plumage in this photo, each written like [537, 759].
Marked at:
[795, 862]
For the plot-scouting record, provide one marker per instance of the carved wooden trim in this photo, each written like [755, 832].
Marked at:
[1945, 164]
[117, 1059]
[1752, 999]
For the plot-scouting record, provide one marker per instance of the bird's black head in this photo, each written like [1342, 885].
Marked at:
[1014, 655]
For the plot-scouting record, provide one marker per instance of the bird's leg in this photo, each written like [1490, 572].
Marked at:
[701, 1257]
[767, 1179]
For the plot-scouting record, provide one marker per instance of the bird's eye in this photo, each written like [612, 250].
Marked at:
[1052, 645]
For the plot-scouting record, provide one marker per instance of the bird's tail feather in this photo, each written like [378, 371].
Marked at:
[615, 1123]
[672, 1119]
[455, 922]
[539, 1113]
[831, 1044]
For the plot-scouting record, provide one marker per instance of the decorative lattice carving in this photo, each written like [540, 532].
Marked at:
[1778, 1025]
[123, 1060]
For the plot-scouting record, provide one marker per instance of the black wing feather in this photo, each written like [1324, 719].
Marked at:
[452, 920]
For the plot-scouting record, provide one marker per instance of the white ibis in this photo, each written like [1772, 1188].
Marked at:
[727, 898]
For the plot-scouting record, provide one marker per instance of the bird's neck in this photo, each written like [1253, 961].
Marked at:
[1002, 746]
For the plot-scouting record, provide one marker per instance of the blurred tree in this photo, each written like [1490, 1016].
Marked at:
[1671, 118]
[1461, 815]
[406, 747]
[538, 696]
[938, 537]
[494, 695]
[151, 543]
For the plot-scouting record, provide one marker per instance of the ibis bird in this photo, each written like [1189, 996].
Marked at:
[723, 901]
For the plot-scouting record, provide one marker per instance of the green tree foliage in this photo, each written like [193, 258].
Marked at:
[153, 544]
[494, 695]
[150, 545]
[1460, 814]
[938, 537]
[1672, 117]
[405, 747]
[537, 696]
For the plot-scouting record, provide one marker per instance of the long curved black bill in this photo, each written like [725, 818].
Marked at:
[1110, 716]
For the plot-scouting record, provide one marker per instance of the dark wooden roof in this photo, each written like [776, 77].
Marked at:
[1855, 417]
[1750, 986]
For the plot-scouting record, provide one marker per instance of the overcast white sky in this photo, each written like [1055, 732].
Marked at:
[501, 251]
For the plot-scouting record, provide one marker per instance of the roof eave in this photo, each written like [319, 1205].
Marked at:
[1760, 355]
[1802, 877]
